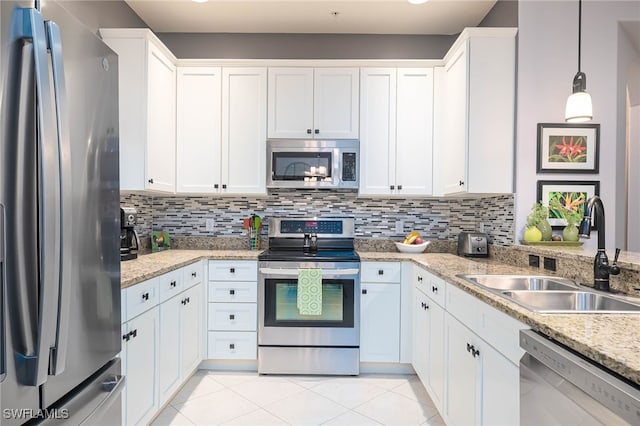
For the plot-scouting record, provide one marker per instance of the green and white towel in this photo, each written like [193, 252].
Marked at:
[310, 291]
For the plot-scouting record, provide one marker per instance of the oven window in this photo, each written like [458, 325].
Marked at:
[281, 296]
[298, 166]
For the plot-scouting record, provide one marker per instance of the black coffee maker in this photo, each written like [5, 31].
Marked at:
[129, 241]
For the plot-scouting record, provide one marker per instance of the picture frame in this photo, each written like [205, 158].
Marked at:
[160, 240]
[568, 148]
[567, 190]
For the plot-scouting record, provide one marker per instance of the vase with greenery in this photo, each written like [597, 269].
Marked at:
[570, 231]
[539, 218]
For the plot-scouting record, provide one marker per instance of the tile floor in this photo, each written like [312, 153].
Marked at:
[224, 398]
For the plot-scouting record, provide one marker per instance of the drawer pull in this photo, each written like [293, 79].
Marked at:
[232, 346]
[380, 271]
[194, 274]
[232, 292]
[434, 289]
[188, 300]
[232, 317]
[145, 296]
[419, 278]
[364, 291]
[126, 337]
[232, 270]
[172, 283]
[183, 301]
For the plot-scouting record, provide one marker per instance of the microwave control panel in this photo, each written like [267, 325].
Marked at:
[349, 167]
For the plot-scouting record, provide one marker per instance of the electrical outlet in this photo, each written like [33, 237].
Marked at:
[549, 264]
[210, 225]
[534, 260]
[399, 226]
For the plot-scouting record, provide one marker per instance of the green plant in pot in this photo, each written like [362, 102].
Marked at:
[573, 217]
[538, 219]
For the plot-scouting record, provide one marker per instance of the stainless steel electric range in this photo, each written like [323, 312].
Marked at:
[292, 343]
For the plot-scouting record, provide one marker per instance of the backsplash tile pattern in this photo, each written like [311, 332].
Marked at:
[436, 218]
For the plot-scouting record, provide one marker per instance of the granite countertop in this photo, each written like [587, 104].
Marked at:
[152, 265]
[612, 340]
[608, 339]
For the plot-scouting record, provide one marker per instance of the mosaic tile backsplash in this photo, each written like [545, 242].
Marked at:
[376, 218]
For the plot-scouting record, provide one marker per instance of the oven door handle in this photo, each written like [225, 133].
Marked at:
[294, 272]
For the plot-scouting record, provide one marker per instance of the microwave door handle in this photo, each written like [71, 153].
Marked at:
[64, 210]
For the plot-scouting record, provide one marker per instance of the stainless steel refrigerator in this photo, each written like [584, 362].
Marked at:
[59, 220]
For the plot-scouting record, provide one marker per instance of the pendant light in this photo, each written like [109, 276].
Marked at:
[579, 108]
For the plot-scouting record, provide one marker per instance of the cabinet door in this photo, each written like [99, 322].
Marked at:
[420, 336]
[290, 103]
[414, 131]
[377, 130]
[191, 329]
[161, 118]
[244, 93]
[142, 363]
[169, 356]
[436, 365]
[463, 375]
[380, 323]
[454, 145]
[199, 103]
[335, 103]
[500, 389]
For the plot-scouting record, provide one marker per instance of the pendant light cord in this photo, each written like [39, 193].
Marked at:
[579, 31]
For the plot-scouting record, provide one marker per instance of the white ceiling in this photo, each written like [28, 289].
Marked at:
[312, 16]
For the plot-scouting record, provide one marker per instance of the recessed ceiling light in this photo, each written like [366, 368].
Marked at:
[414, 1]
[199, 1]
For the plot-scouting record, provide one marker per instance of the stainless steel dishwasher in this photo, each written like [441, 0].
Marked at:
[558, 387]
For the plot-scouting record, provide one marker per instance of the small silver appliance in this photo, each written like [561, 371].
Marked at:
[296, 163]
[473, 244]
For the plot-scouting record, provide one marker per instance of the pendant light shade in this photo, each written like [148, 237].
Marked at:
[579, 107]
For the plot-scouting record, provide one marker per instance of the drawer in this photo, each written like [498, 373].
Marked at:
[501, 331]
[233, 291]
[170, 284]
[232, 345]
[142, 297]
[192, 274]
[235, 270]
[434, 287]
[233, 316]
[380, 272]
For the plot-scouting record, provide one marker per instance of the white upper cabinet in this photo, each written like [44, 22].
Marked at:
[244, 117]
[199, 133]
[319, 103]
[396, 131]
[475, 93]
[147, 108]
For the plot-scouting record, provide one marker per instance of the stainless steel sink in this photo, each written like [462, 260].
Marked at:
[570, 302]
[521, 282]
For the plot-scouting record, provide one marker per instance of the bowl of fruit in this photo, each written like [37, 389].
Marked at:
[413, 243]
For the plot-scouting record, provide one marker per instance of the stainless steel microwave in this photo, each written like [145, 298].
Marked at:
[298, 163]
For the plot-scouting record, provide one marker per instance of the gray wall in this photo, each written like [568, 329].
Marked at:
[103, 14]
[503, 14]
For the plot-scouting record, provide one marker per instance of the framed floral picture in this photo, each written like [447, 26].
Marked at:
[568, 148]
[572, 195]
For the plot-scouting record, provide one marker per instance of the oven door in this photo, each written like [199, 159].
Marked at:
[279, 321]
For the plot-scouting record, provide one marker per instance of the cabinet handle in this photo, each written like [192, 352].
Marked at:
[419, 278]
[434, 289]
[232, 346]
[316, 131]
[224, 186]
[134, 333]
[232, 317]
[194, 274]
[308, 131]
[232, 292]
[232, 270]
[392, 187]
[183, 301]
[475, 352]
[364, 291]
[188, 300]
[426, 306]
[380, 271]
[216, 186]
[126, 337]
[145, 296]
[469, 347]
[461, 183]
[399, 187]
[150, 181]
[172, 283]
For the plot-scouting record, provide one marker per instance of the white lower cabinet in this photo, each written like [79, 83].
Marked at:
[380, 322]
[139, 355]
[161, 345]
[232, 310]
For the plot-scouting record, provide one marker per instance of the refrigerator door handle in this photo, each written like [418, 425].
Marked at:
[54, 42]
[37, 364]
